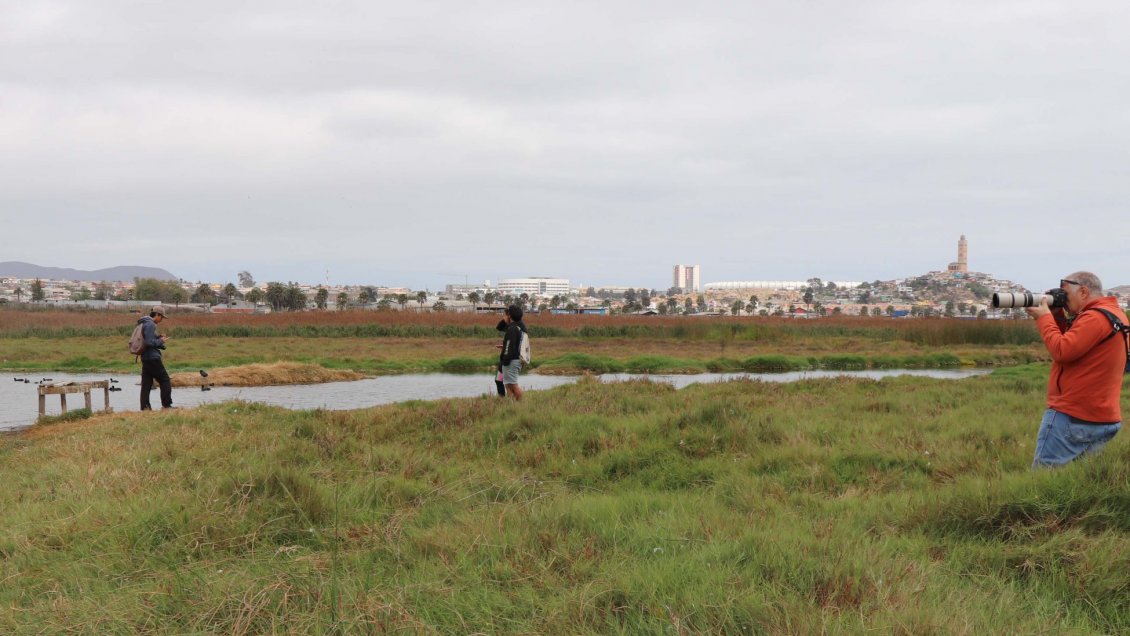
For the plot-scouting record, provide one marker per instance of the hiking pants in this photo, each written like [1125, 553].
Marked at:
[154, 370]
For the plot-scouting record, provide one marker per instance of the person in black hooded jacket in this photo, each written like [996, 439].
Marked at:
[508, 358]
[498, 385]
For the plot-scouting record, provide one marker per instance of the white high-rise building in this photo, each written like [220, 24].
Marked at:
[688, 278]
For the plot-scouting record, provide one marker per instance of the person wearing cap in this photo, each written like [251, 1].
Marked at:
[152, 369]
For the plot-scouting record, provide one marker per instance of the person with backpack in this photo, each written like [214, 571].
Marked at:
[1089, 356]
[152, 368]
[514, 343]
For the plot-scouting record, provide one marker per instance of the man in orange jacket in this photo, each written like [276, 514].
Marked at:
[1088, 361]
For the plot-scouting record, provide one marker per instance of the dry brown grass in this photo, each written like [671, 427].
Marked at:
[278, 373]
[11, 320]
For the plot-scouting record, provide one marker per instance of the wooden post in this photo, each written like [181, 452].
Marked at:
[63, 401]
[42, 404]
[86, 396]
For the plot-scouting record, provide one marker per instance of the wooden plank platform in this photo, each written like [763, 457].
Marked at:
[63, 388]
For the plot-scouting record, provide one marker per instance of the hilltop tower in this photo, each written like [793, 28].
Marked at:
[962, 264]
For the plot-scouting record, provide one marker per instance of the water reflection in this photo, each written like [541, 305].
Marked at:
[19, 403]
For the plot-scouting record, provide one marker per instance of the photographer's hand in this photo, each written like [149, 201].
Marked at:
[1039, 310]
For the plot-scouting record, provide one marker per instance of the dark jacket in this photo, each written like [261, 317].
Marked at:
[153, 344]
[512, 342]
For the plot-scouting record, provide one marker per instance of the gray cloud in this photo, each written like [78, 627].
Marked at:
[392, 142]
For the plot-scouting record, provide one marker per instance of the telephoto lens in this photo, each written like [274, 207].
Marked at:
[1003, 300]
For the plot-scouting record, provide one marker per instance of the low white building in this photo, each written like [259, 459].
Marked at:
[534, 286]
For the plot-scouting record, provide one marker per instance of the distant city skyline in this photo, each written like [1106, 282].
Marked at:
[690, 275]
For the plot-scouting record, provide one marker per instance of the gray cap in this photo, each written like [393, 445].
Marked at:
[159, 310]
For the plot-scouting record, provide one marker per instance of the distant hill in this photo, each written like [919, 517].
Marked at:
[125, 273]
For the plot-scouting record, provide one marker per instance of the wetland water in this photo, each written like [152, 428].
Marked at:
[19, 402]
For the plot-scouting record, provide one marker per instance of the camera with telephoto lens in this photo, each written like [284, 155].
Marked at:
[1056, 298]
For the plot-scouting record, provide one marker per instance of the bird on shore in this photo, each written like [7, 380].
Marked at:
[113, 381]
[203, 373]
[114, 388]
[205, 387]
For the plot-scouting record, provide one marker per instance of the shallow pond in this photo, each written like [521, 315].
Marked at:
[19, 402]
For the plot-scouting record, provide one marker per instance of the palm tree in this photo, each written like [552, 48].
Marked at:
[19, 292]
[342, 301]
[296, 299]
[473, 297]
[204, 294]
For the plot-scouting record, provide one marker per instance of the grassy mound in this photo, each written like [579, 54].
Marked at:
[839, 505]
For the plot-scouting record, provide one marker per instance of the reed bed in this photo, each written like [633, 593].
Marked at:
[395, 324]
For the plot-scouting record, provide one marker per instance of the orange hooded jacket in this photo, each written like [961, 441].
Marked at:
[1086, 377]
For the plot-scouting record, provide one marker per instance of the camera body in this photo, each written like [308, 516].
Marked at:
[1056, 298]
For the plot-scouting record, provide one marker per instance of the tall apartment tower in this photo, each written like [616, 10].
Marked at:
[962, 264]
[688, 278]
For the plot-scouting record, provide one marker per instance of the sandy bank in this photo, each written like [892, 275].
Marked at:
[278, 373]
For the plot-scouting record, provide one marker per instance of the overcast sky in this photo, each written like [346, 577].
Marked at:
[418, 143]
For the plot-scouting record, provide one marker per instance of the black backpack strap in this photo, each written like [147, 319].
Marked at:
[1116, 326]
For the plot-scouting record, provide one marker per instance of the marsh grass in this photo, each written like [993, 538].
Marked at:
[70, 416]
[377, 356]
[393, 324]
[378, 343]
[901, 506]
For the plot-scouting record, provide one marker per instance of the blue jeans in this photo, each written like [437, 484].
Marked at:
[1063, 438]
